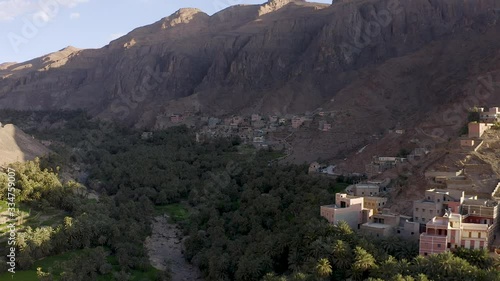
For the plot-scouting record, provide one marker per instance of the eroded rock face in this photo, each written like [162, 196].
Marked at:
[274, 5]
[283, 56]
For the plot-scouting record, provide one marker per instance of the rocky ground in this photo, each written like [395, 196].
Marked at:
[165, 251]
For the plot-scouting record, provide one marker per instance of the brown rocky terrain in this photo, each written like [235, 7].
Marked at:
[16, 146]
[379, 64]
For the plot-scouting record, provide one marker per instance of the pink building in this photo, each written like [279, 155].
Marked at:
[452, 231]
[476, 130]
[467, 142]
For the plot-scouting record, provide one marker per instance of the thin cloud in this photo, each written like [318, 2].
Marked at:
[12, 9]
[74, 16]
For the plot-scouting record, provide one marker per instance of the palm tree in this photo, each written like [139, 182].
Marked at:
[324, 268]
[341, 254]
[343, 229]
[363, 261]
[299, 276]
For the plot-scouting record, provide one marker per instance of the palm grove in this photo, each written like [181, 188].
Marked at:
[248, 219]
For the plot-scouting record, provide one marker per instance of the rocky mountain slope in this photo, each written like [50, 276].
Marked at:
[378, 63]
[16, 146]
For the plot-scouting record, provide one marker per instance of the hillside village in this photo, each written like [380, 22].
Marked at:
[459, 207]
[261, 131]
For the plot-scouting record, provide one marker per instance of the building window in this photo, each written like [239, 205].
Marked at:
[430, 211]
[439, 200]
[425, 254]
[439, 245]
[416, 209]
[416, 218]
[412, 233]
[423, 219]
[479, 235]
[470, 234]
[423, 210]
[399, 231]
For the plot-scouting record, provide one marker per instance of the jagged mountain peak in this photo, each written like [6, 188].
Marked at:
[184, 15]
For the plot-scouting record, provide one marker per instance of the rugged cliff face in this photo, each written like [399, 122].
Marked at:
[387, 58]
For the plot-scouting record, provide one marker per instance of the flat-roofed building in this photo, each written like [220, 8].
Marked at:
[476, 130]
[366, 189]
[346, 208]
[481, 211]
[452, 231]
[387, 224]
[435, 202]
[491, 115]
[375, 203]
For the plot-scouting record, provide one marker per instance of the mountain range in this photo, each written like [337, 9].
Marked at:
[378, 64]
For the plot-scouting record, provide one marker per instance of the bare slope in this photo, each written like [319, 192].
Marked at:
[15, 146]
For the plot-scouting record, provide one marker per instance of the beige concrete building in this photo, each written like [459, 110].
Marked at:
[435, 202]
[366, 189]
[386, 224]
[314, 167]
[460, 183]
[432, 175]
[347, 208]
[375, 203]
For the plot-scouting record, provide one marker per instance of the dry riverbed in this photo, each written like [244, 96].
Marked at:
[165, 251]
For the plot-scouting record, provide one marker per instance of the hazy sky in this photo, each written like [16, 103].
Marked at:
[32, 28]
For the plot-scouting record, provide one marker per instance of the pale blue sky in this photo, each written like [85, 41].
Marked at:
[32, 28]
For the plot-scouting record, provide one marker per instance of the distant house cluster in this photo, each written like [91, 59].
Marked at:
[490, 115]
[379, 164]
[255, 128]
[476, 129]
